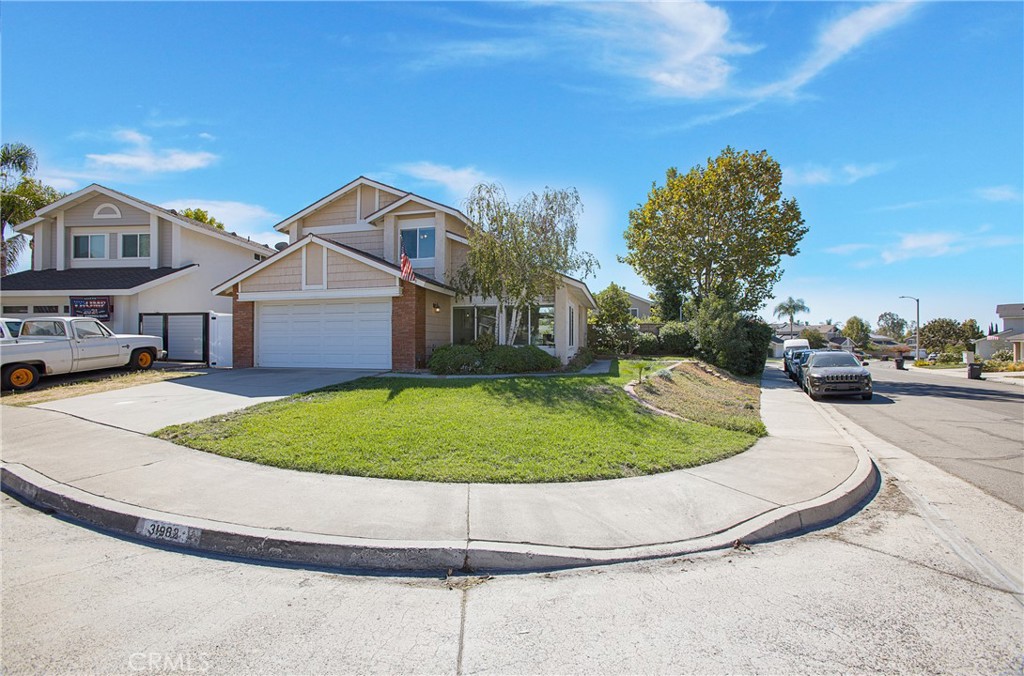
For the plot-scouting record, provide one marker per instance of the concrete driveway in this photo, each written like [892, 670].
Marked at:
[147, 408]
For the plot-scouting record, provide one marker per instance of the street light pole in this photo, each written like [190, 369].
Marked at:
[917, 327]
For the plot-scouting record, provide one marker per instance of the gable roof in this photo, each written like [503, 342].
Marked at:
[413, 197]
[404, 198]
[345, 250]
[640, 298]
[582, 286]
[129, 280]
[168, 214]
[361, 180]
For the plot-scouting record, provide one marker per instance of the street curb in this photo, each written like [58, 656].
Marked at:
[333, 551]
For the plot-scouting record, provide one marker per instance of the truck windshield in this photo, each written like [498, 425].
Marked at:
[828, 359]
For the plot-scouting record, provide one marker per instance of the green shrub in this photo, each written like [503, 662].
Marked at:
[509, 359]
[950, 358]
[729, 339]
[647, 344]
[485, 343]
[677, 340]
[1002, 355]
[992, 365]
[615, 339]
[455, 359]
[922, 362]
[582, 359]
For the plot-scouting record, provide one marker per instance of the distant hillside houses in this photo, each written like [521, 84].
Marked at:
[831, 334]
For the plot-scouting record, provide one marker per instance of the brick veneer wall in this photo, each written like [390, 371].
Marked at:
[409, 328]
[242, 326]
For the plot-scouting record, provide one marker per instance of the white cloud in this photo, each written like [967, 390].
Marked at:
[141, 156]
[248, 220]
[478, 53]
[457, 181]
[936, 244]
[838, 39]
[846, 174]
[998, 193]
[206, 136]
[846, 249]
[678, 47]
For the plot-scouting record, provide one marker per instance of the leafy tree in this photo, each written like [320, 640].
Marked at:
[941, 335]
[790, 307]
[517, 251]
[613, 327]
[201, 215]
[857, 330]
[20, 197]
[892, 325]
[813, 338]
[969, 330]
[717, 230]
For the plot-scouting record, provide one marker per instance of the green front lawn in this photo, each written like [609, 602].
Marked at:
[561, 428]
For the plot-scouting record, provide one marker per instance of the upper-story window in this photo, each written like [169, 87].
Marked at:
[89, 246]
[135, 245]
[634, 312]
[418, 242]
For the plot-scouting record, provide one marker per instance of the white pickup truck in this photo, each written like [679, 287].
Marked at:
[52, 345]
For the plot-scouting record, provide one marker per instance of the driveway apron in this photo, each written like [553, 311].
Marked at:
[147, 408]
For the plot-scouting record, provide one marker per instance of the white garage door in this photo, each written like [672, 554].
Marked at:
[330, 334]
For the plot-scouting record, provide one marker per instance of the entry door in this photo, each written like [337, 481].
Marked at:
[95, 346]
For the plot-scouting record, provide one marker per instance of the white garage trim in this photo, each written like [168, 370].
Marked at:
[329, 294]
[343, 333]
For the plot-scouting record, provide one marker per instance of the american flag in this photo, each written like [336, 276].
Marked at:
[407, 273]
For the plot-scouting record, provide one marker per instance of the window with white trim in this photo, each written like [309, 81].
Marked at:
[634, 312]
[135, 245]
[572, 326]
[418, 242]
[89, 246]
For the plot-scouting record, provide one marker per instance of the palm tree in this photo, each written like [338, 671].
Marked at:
[20, 197]
[790, 307]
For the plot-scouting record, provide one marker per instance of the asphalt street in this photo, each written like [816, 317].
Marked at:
[971, 429]
[878, 593]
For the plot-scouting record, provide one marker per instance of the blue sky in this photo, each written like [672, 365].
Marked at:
[898, 126]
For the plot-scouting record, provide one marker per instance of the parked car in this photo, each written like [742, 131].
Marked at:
[52, 345]
[9, 330]
[835, 373]
[792, 362]
[798, 366]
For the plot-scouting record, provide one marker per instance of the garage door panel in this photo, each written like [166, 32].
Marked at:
[331, 334]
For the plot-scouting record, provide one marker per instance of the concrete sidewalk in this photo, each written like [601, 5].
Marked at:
[803, 475]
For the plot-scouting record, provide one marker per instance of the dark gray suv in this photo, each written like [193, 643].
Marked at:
[835, 373]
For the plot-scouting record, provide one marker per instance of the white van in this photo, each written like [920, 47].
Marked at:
[795, 344]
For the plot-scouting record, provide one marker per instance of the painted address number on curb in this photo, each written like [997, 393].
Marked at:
[168, 532]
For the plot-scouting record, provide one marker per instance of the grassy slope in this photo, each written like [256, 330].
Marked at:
[707, 395]
[562, 428]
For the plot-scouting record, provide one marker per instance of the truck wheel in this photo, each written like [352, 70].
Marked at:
[141, 360]
[20, 377]
[813, 396]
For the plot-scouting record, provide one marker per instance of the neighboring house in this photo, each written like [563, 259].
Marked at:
[137, 267]
[335, 297]
[1010, 338]
[828, 331]
[640, 307]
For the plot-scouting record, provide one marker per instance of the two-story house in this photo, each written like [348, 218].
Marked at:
[335, 297]
[137, 267]
[1010, 338]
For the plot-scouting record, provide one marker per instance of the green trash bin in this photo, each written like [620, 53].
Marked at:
[974, 371]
